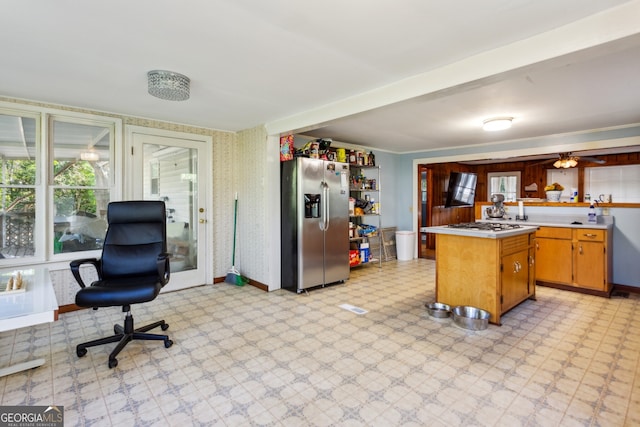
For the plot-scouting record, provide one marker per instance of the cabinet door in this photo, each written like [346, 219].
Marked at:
[589, 265]
[515, 279]
[553, 260]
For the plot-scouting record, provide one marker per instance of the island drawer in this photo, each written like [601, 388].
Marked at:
[554, 232]
[515, 244]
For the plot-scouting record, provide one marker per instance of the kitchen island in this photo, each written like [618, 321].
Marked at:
[484, 265]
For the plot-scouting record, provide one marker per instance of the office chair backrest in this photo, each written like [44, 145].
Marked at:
[135, 237]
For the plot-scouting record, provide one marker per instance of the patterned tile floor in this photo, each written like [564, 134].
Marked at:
[245, 357]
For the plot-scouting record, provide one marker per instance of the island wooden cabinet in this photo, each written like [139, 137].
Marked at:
[492, 274]
[515, 279]
[574, 259]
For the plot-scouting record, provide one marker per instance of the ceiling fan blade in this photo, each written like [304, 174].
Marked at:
[544, 162]
[593, 160]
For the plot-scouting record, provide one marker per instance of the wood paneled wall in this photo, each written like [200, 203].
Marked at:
[534, 171]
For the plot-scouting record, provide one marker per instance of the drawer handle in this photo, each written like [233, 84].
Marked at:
[590, 235]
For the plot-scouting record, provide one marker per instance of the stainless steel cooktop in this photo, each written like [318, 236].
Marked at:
[485, 226]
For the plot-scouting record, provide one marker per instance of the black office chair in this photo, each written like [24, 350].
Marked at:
[134, 266]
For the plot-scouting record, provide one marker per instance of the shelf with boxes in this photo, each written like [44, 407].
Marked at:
[365, 215]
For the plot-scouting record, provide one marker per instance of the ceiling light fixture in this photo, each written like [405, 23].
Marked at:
[168, 85]
[566, 162]
[498, 123]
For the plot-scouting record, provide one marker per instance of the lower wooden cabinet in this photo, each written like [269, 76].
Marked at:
[492, 274]
[574, 258]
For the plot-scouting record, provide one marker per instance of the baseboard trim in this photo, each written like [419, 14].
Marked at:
[574, 289]
[252, 282]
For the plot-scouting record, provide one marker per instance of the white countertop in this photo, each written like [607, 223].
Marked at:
[487, 234]
[604, 222]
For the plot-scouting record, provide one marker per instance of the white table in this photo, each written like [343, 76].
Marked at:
[36, 305]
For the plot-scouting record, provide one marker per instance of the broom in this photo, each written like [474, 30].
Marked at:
[233, 275]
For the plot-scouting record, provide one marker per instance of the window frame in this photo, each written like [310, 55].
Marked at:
[490, 175]
[44, 187]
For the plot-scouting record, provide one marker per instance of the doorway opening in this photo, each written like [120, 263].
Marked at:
[427, 241]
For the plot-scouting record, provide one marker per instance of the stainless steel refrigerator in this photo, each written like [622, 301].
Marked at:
[314, 223]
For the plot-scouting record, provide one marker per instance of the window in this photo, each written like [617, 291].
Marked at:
[18, 179]
[619, 181]
[80, 182]
[56, 181]
[568, 178]
[505, 183]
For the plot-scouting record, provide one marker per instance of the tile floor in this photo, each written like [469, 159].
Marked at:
[245, 357]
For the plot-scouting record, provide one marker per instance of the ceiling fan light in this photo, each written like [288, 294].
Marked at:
[498, 123]
[572, 162]
[558, 164]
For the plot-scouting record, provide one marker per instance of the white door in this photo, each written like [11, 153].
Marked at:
[172, 167]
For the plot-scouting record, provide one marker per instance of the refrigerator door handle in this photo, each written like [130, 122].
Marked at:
[324, 225]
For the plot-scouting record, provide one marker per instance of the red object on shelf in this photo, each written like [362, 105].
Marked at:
[354, 257]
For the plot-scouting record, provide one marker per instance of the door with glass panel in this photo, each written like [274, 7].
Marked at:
[171, 169]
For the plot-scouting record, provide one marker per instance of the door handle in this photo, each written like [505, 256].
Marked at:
[580, 249]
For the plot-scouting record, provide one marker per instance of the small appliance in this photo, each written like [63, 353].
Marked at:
[497, 210]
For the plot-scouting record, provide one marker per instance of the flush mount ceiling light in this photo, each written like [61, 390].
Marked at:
[497, 123]
[168, 85]
[566, 162]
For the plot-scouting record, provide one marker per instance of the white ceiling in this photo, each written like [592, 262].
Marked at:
[405, 75]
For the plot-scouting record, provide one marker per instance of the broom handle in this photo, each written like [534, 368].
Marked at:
[235, 218]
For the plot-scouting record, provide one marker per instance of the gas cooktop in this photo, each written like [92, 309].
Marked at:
[485, 226]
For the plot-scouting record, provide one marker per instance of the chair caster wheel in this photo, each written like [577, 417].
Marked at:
[164, 327]
[81, 351]
[113, 363]
[168, 343]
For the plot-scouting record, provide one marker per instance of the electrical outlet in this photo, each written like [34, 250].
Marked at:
[605, 211]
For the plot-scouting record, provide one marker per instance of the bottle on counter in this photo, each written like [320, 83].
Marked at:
[592, 214]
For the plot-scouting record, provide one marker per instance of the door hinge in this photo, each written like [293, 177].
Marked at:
[501, 268]
[501, 300]
[132, 151]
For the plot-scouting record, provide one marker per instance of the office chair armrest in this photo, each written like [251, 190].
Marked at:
[75, 268]
[164, 268]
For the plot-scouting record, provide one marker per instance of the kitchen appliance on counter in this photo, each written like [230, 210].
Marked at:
[314, 223]
[497, 210]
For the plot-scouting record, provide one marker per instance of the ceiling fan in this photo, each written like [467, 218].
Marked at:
[568, 160]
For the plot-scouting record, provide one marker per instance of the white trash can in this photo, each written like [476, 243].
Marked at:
[405, 243]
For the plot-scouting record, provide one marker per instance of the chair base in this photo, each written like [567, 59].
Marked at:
[123, 335]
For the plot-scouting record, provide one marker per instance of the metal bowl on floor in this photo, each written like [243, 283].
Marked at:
[438, 309]
[471, 318]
